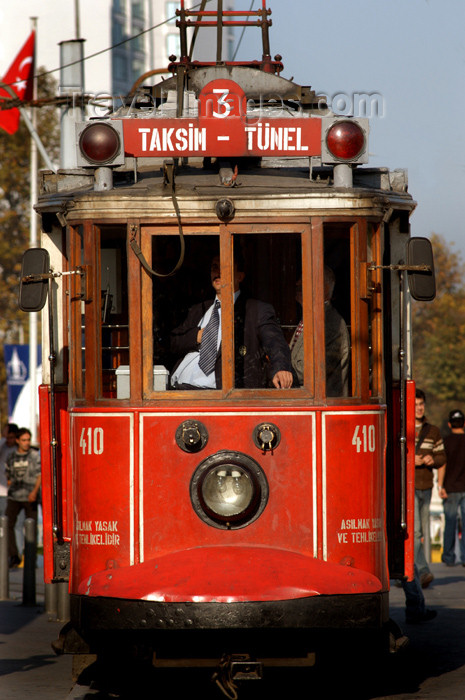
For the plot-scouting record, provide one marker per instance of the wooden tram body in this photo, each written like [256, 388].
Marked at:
[331, 476]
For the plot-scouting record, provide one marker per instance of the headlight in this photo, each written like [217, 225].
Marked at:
[229, 490]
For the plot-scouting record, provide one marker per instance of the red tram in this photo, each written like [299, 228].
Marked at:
[179, 512]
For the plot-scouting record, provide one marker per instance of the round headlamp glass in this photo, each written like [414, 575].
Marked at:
[229, 490]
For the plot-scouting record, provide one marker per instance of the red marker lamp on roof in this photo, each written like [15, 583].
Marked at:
[345, 141]
[100, 143]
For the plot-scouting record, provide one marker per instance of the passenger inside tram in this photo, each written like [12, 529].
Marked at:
[261, 354]
[337, 342]
[267, 268]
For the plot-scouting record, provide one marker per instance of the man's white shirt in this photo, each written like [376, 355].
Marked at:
[189, 372]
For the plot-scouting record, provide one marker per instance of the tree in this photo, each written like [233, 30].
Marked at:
[439, 335]
[15, 215]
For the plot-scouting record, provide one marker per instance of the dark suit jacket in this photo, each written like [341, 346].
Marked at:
[260, 347]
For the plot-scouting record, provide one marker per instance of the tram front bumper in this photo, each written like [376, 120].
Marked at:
[218, 574]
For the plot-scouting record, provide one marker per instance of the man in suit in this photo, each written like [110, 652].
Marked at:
[261, 350]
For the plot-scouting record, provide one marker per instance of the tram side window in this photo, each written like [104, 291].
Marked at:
[337, 296]
[374, 304]
[114, 309]
[266, 311]
[77, 312]
[180, 304]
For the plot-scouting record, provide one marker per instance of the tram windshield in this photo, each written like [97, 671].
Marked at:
[263, 342]
[293, 314]
[257, 308]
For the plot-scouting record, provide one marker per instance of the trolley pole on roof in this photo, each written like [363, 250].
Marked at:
[219, 32]
[77, 19]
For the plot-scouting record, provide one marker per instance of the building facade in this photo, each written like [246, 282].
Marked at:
[139, 48]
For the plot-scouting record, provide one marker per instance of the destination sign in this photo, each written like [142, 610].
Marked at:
[222, 129]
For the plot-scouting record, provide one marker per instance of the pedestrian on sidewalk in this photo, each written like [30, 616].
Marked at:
[429, 455]
[7, 446]
[415, 606]
[451, 483]
[23, 475]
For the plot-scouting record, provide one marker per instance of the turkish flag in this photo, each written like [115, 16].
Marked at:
[20, 78]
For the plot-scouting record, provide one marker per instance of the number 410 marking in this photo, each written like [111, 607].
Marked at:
[92, 442]
[366, 442]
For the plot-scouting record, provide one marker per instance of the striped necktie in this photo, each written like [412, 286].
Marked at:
[209, 343]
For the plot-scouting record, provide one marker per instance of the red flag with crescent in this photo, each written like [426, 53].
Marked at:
[19, 77]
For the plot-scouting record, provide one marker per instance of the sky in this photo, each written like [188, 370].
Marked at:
[408, 54]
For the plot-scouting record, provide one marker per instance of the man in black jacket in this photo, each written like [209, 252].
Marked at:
[451, 483]
[260, 347]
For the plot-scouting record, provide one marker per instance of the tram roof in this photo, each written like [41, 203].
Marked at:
[276, 185]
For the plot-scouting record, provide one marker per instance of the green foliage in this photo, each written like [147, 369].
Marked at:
[15, 216]
[439, 336]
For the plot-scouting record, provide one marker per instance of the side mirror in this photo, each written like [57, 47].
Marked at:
[422, 283]
[34, 279]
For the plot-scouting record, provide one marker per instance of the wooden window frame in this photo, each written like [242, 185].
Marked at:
[225, 234]
[312, 233]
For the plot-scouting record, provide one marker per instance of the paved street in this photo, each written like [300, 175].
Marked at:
[28, 666]
[431, 668]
